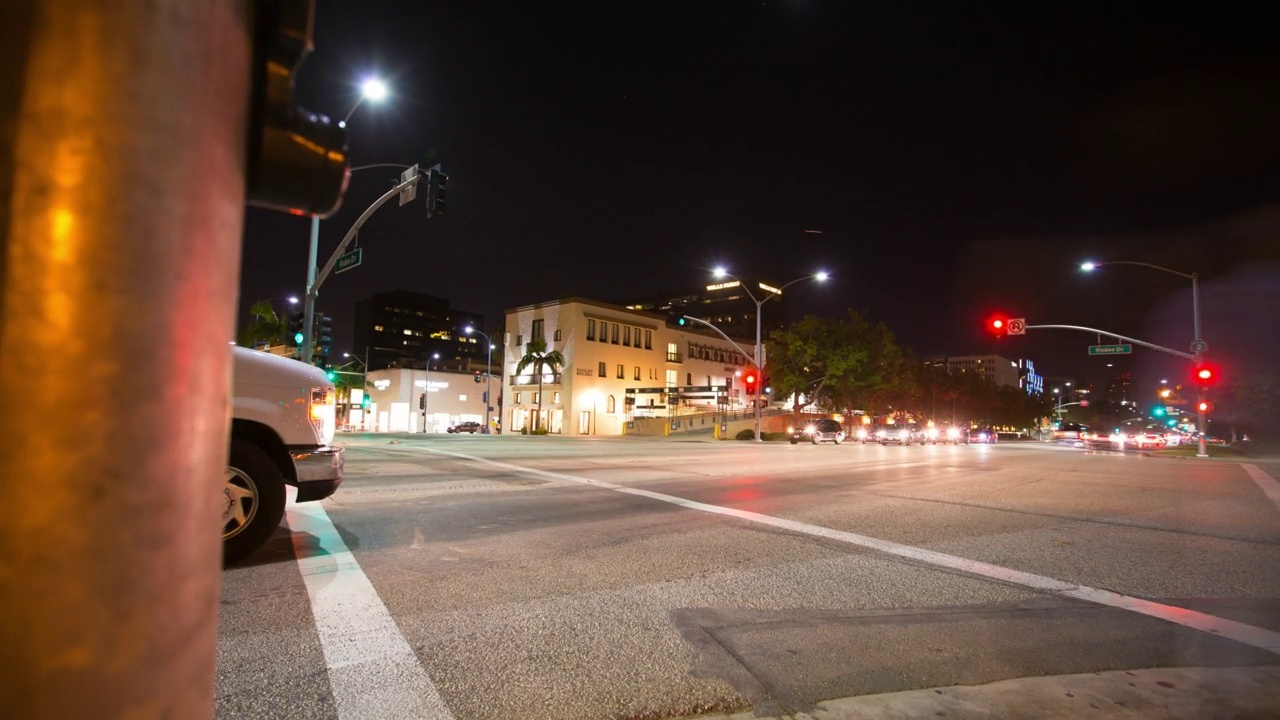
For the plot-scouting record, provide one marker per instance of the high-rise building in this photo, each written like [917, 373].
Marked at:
[993, 368]
[727, 304]
[402, 329]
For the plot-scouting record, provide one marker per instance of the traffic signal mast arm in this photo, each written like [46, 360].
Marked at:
[745, 354]
[1096, 331]
[314, 290]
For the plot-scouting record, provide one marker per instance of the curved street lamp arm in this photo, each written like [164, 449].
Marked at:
[1189, 276]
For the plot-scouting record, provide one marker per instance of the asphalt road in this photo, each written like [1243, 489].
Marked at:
[546, 577]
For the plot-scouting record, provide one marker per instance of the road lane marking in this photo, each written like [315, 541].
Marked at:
[1264, 481]
[1248, 634]
[373, 672]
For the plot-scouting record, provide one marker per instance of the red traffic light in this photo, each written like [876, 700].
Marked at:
[1205, 375]
[997, 324]
[749, 378]
[1204, 406]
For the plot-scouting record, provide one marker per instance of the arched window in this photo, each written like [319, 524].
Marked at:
[609, 406]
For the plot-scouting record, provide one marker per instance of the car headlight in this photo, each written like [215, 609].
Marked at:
[905, 434]
[323, 400]
[931, 432]
[790, 430]
[810, 429]
[862, 434]
[953, 433]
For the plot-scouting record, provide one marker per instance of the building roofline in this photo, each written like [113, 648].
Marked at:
[658, 317]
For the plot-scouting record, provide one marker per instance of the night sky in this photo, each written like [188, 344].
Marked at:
[958, 161]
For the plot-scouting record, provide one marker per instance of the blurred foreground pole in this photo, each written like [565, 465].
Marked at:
[122, 173]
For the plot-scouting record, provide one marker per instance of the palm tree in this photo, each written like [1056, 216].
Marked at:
[537, 357]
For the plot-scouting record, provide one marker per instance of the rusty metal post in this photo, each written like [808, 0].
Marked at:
[122, 152]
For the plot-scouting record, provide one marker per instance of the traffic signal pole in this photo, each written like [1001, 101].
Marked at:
[124, 165]
[315, 279]
[1201, 421]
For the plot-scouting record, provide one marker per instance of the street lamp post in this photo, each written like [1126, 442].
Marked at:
[426, 391]
[373, 90]
[488, 373]
[720, 272]
[1197, 340]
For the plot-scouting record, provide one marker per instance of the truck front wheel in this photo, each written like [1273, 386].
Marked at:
[253, 500]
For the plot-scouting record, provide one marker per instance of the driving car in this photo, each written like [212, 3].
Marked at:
[469, 426]
[947, 434]
[867, 433]
[819, 431]
[982, 435]
[904, 434]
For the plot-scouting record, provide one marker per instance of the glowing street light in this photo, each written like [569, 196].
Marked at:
[375, 91]
[488, 373]
[721, 272]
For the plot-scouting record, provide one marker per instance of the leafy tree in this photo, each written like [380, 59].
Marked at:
[265, 327]
[540, 359]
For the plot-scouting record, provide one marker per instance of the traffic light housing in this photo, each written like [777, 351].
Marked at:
[1205, 375]
[750, 379]
[476, 377]
[998, 325]
[677, 319]
[437, 190]
[293, 327]
[323, 338]
[422, 401]
[331, 375]
[366, 402]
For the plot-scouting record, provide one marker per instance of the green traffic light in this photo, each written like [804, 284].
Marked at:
[1158, 411]
[331, 375]
[297, 339]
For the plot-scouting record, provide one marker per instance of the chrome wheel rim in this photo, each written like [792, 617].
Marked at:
[240, 502]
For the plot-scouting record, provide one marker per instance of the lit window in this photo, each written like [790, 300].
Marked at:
[378, 328]
[555, 397]
[462, 397]
[408, 332]
[517, 398]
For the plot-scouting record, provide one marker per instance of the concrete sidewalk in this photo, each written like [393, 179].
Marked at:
[1192, 693]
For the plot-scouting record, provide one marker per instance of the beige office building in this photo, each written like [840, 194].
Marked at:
[609, 350]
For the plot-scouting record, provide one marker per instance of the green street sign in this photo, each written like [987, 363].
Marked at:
[348, 261]
[1110, 349]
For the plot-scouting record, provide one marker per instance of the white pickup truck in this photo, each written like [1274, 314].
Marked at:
[281, 429]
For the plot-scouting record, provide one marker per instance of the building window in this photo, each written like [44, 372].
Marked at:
[539, 330]
[517, 398]
[519, 340]
[591, 329]
[557, 334]
[603, 371]
[622, 375]
[648, 339]
[604, 331]
[672, 378]
[462, 397]
[615, 334]
[626, 336]
[688, 378]
[637, 337]
[610, 405]
[637, 372]
[537, 398]
[555, 397]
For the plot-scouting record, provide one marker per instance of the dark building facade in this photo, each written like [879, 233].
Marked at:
[402, 329]
[725, 304]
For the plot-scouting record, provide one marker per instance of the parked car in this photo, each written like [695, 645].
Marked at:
[905, 434]
[983, 435]
[819, 431]
[469, 426]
